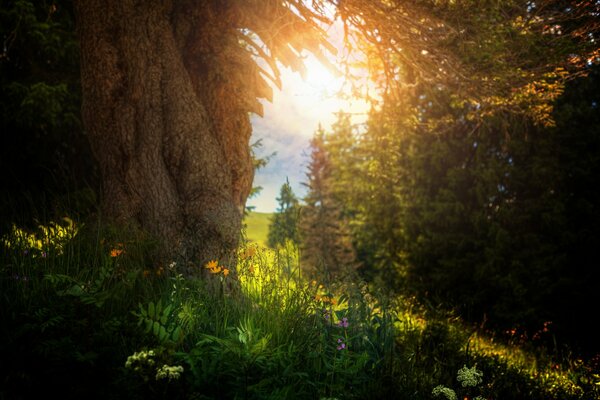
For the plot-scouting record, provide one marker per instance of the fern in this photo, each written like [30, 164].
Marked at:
[158, 320]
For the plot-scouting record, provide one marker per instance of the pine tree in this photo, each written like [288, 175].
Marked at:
[326, 240]
[284, 223]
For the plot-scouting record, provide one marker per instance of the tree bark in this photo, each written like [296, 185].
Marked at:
[169, 132]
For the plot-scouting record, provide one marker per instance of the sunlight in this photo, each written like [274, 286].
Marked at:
[297, 110]
[325, 82]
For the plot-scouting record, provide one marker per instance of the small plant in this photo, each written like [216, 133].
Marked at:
[469, 378]
[157, 319]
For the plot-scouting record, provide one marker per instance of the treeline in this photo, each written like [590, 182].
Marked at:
[45, 157]
[497, 217]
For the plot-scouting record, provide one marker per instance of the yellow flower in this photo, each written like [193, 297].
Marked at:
[225, 271]
[211, 264]
[250, 252]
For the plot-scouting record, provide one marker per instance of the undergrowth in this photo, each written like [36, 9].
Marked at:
[87, 312]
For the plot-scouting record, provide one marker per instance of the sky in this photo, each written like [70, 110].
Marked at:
[289, 123]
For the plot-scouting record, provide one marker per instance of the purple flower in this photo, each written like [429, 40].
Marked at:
[326, 314]
[343, 323]
[44, 254]
[341, 344]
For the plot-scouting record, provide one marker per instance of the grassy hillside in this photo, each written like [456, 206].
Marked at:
[257, 227]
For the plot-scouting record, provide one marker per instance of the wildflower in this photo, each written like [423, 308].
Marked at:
[343, 323]
[225, 271]
[341, 344]
[251, 269]
[469, 376]
[116, 252]
[172, 265]
[44, 254]
[146, 273]
[168, 372]
[213, 267]
[326, 314]
[249, 253]
[140, 358]
[326, 299]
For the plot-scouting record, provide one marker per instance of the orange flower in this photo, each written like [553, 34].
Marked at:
[225, 272]
[146, 273]
[212, 264]
[213, 267]
[116, 252]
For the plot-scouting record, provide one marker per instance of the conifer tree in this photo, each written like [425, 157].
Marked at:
[326, 241]
[284, 223]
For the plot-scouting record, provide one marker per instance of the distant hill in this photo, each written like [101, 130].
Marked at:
[257, 227]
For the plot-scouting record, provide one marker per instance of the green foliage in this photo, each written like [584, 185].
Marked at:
[327, 251]
[284, 223]
[43, 149]
[65, 314]
[485, 216]
[96, 317]
[159, 321]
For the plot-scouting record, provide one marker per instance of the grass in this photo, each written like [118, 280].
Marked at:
[85, 313]
[257, 227]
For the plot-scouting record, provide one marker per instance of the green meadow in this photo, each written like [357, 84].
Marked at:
[257, 227]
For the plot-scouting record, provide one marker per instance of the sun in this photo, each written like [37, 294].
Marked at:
[324, 82]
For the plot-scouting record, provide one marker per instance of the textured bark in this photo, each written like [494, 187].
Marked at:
[165, 124]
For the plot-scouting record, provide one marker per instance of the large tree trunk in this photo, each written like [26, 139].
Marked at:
[164, 123]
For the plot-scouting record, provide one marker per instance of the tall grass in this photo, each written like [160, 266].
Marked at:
[89, 312]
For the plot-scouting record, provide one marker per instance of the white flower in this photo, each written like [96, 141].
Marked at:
[469, 376]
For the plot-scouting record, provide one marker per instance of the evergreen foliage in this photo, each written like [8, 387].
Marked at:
[481, 215]
[284, 222]
[43, 148]
[326, 246]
